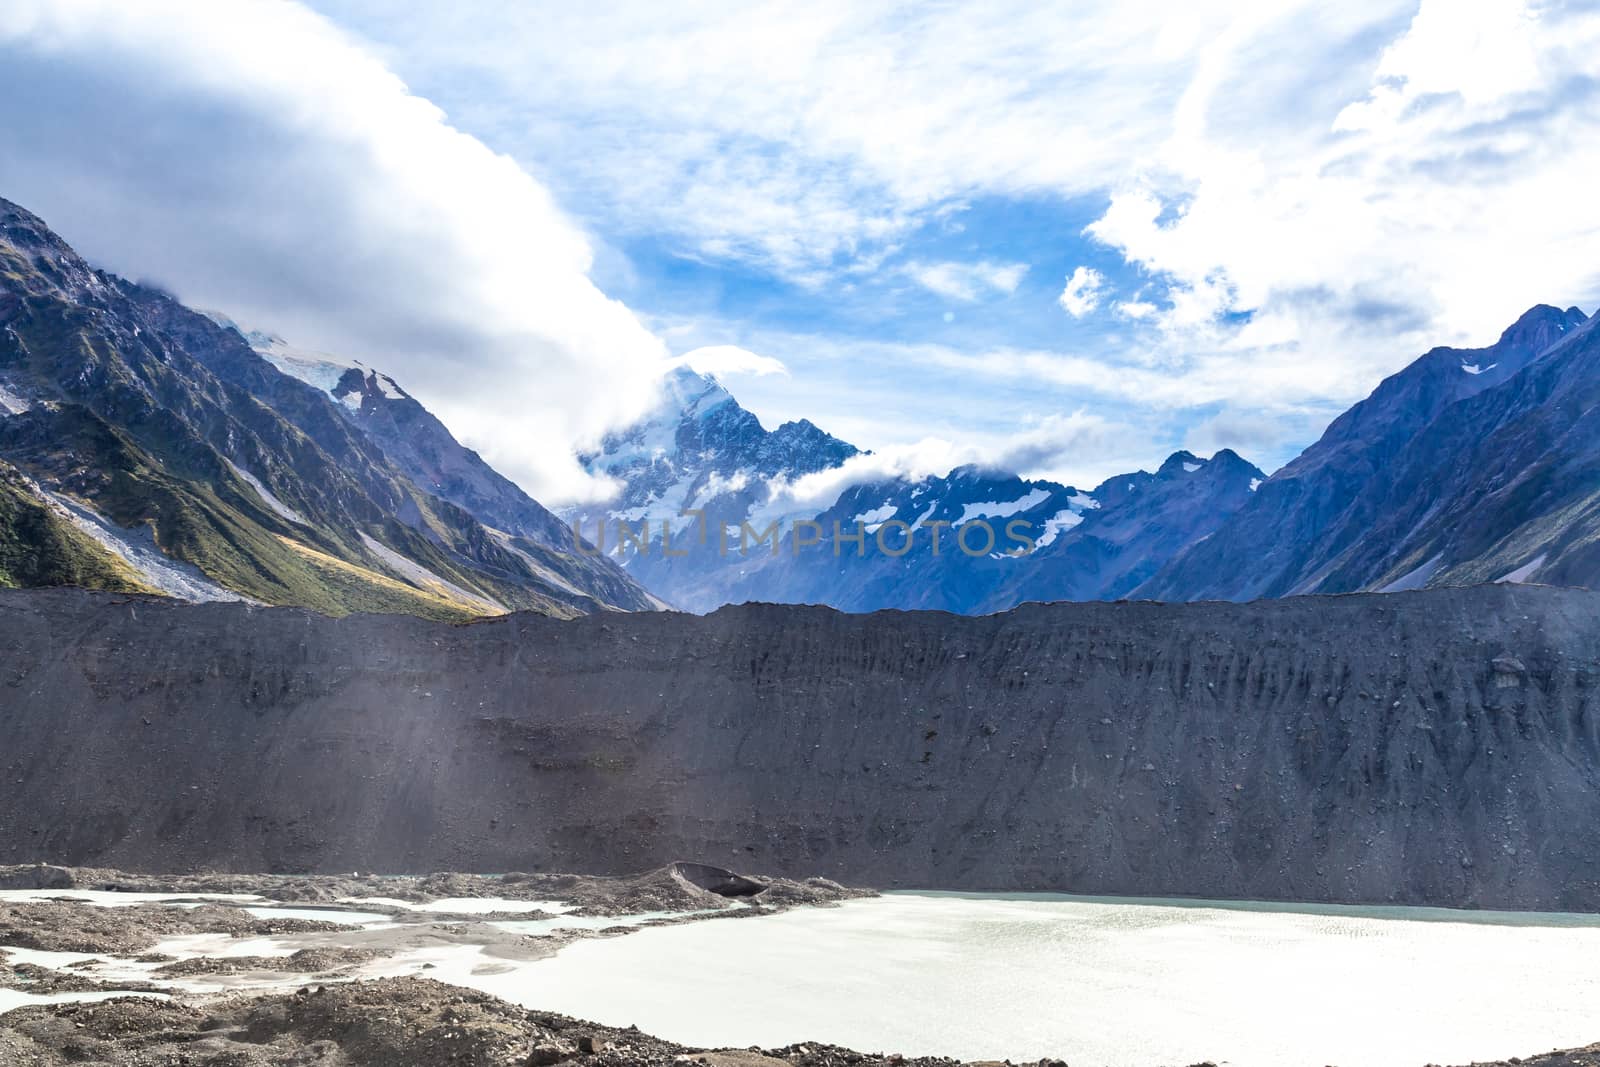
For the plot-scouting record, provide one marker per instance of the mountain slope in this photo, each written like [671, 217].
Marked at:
[40, 545]
[424, 449]
[1141, 521]
[164, 428]
[1505, 486]
[1350, 512]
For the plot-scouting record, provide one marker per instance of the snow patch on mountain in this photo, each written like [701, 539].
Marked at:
[318, 369]
[1056, 525]
[386, 385]
[990, 509]
[697, 449]
[877, 517]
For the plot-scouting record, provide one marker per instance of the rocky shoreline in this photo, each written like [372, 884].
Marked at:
[414, 914]
[677, 887]
[69, 936]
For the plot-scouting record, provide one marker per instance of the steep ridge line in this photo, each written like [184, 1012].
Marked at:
[1439, 747]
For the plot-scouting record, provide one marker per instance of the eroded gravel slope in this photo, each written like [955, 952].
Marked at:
[1439, 747]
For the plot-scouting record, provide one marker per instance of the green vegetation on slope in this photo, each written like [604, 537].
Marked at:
[39, 547]
[209, 525]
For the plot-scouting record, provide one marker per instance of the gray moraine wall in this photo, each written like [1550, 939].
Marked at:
[1439, 747]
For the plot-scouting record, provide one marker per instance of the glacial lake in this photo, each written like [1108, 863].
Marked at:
[1096, 983]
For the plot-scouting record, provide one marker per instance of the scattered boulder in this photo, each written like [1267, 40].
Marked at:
[1508, 671]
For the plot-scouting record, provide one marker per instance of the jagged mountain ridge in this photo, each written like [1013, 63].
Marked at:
[696, 435]
[189, 455]
[188, 462]
[700, 450]
[697, 449]
[1003, 540]
[1468, 465]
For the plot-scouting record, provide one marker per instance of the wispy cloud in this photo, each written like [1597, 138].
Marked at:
[1249, 153]
[804, 137]
[1076, 448]
[966, 281]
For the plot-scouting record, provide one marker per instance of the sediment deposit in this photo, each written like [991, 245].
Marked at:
[1440, 747]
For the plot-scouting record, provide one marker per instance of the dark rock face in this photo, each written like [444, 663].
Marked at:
[1467, 466]
[1360, 748]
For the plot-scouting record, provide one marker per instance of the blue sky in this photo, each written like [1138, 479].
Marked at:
[524, 213]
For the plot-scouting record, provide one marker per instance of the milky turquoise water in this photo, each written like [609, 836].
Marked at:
[1096, 982]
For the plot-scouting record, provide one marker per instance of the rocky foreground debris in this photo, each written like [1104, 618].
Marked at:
[676, 887]
[400, 1022]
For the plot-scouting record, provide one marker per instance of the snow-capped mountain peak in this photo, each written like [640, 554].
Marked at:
[698, 448]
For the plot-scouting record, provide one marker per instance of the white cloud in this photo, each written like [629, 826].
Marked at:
[812, 493]
[1432, 206]
[1079, 448]
[802, 137]
[1068, 448]
[1310, 194]
[1083, 292]
[253, 158]
[967, 282]
[1075, 417]
[1275, 160]
[730, 360]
